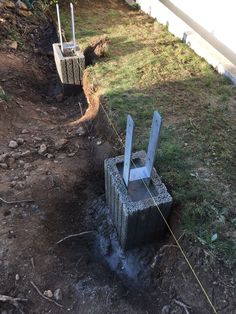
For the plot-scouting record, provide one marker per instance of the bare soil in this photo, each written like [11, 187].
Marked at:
[54, 179]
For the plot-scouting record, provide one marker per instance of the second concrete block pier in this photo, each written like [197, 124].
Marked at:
[70, 66]
[133, 210]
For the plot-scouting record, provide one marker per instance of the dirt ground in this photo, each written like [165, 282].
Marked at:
[51, 183]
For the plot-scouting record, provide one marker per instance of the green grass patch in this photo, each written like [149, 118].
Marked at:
[13, 35]
[4, 96]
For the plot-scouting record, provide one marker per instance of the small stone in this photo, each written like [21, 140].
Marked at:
[26, 153]
[13, 45]
[17, 277]
[26, 173]
[21, 162]
[3, 165]
[24, 13]
[58, 294]
[22, 9]
[20, 141]
[24, 131]
[49, 156]
[13, 144]
[81, 131]
[42, 148]
[38, 139]
[99, 142]
[61, 156]
[21, 5]
[48, 293]
[61, 143]
[71, 154]
[16, 155]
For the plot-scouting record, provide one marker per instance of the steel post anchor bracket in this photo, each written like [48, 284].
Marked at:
[66, 45]
[141, 173]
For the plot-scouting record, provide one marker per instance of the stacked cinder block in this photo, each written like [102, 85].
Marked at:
[70, 68]
[134, 211]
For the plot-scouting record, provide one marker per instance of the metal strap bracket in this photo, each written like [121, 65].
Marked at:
[66, 45]
[144, 172]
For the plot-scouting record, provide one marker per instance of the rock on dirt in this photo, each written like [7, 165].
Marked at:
[58, 295]
[3, 165]
[42, 149]
[13, 144]
[37, 139]
[20, 141]
[13, 45]
[26, 153]
[24, 131]
[21, 5]
[22, 9]
[50, 156]
[48, 293]
[21, 162]
[16, 155]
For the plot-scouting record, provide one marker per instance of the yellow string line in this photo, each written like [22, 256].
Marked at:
[163, 217]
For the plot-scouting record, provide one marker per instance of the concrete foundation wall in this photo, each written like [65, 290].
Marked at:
[216, 53]
[136, 221]
[70, 69]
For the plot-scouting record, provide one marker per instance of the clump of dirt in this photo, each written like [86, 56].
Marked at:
[97, 49]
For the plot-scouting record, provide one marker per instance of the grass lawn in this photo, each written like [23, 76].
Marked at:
[148, 69]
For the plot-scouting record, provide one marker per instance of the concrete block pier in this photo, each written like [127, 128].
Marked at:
[133, 210]
[70, 64]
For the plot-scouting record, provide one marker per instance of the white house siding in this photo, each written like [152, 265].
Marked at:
[208, 26]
